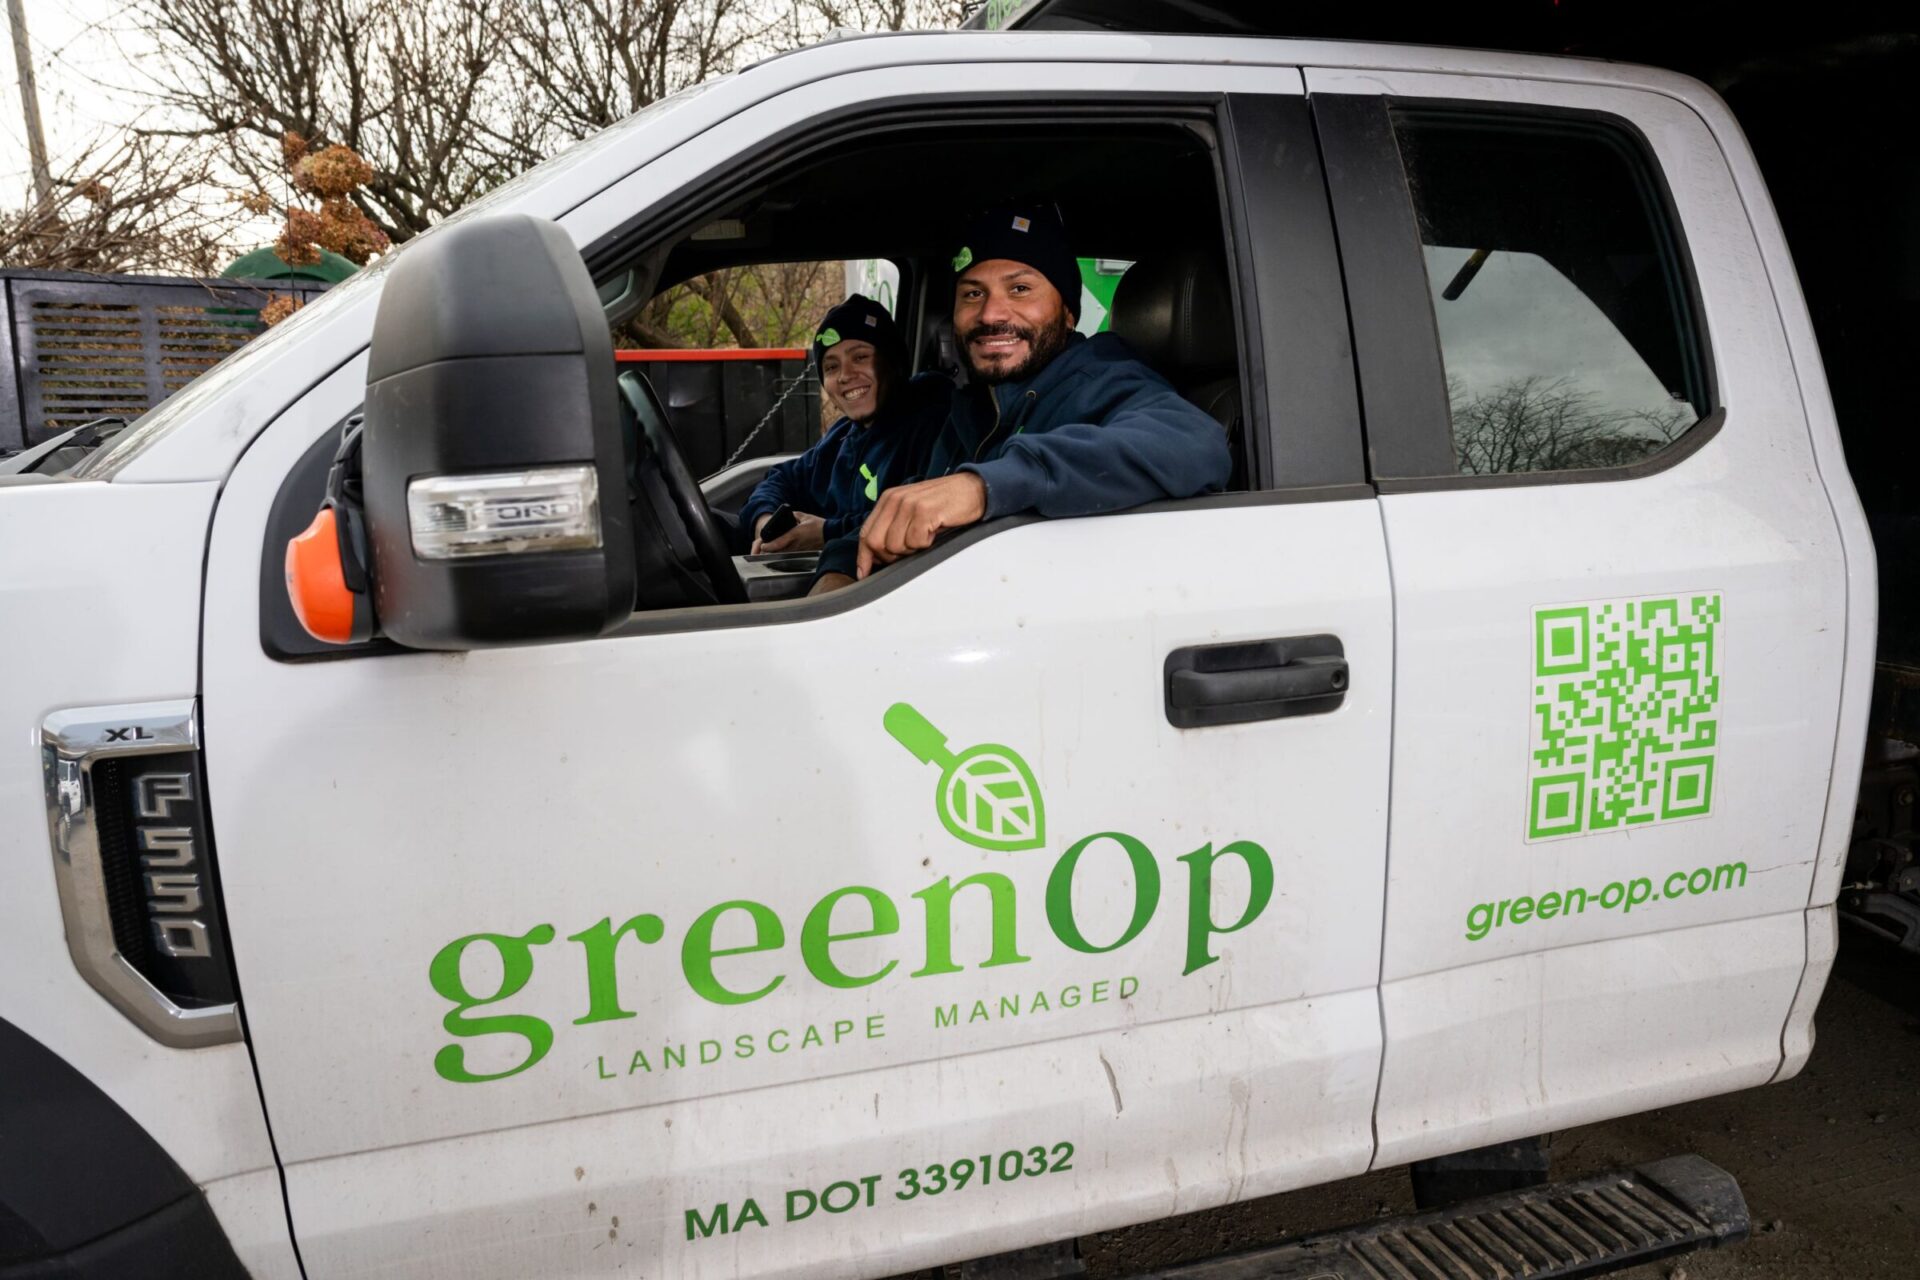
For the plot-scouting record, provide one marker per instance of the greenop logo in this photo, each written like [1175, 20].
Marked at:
[986, 796]
[827, 337]
[962, 258]
[873, 482]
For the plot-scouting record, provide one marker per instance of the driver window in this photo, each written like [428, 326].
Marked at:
[738, 293]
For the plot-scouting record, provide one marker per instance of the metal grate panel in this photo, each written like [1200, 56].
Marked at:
[86, 347]
[1556, 1234]
[1591, 1227]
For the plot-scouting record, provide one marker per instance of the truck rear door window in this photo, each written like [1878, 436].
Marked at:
[1559, 293]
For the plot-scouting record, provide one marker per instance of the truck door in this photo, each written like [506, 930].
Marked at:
[919, 925]
[1620, 603]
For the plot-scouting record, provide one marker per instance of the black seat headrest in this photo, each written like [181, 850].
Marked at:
[1177, 315]
[940, 353]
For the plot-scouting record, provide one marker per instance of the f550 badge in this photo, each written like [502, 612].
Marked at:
[170, 866]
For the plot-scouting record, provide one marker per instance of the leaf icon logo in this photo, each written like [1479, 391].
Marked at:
[986, 795]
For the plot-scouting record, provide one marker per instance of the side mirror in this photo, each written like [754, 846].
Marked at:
[492, 461]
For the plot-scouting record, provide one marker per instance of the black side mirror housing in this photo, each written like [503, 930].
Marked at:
[493, 458]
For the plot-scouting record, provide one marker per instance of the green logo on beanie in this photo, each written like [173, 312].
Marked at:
[827, 337]
[962, 258]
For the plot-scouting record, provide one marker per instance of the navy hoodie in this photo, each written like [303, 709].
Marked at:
[1096, 430]
[827, 480]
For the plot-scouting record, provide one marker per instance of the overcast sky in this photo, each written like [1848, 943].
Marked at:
[84, 53]
[1520, 317]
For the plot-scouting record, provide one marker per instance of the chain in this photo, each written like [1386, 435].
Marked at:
[792, 387]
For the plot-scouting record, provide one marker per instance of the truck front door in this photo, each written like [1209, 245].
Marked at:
[863, 937]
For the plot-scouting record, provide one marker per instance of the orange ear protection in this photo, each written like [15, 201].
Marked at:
[327, 579]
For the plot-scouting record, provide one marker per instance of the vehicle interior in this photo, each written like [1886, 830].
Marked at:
[1141, 193]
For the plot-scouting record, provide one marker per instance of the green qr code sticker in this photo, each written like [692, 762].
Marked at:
[1626, 713]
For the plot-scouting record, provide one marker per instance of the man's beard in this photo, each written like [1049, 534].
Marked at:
[1043, 345]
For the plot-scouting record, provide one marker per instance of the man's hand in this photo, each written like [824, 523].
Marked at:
[809, 533]
[910, 517]
[830, 582]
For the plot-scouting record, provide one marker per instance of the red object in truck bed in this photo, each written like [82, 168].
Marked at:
[644, 355]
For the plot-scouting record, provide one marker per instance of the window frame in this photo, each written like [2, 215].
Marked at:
[1400, 365]
[1332, 468]
[1299, 386]
[1241, 124]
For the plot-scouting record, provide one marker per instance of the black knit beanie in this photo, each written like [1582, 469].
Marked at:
[1032, 234]
[861, 318]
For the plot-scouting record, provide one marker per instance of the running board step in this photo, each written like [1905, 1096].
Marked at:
[1588, 1227]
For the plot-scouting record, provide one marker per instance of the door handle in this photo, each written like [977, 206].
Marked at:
[1249, 680]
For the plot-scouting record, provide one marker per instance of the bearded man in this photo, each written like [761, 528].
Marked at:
[1050, 422]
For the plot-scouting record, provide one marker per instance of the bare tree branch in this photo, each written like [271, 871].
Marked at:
[448, 98]
[1537, 423]
[137, 204]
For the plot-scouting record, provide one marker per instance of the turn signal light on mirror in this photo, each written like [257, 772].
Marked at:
[450, 518]
[509, 513]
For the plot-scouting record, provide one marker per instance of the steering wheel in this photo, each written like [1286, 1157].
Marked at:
[696, 517]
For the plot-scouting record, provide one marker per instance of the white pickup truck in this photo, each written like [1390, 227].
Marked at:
[1482, 765]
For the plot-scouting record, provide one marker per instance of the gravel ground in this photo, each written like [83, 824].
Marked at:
[1828, 1161]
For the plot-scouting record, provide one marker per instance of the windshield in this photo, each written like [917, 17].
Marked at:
[159, 420]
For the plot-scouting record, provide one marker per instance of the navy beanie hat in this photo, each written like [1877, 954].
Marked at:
[1032, 234]
[861, 318]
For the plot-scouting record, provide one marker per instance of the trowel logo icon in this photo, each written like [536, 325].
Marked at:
[986, 795]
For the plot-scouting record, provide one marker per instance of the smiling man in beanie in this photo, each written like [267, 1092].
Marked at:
[1050, 422]
[884, 426]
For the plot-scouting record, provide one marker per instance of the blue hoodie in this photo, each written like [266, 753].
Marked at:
[842, 473]
[1096, 430]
